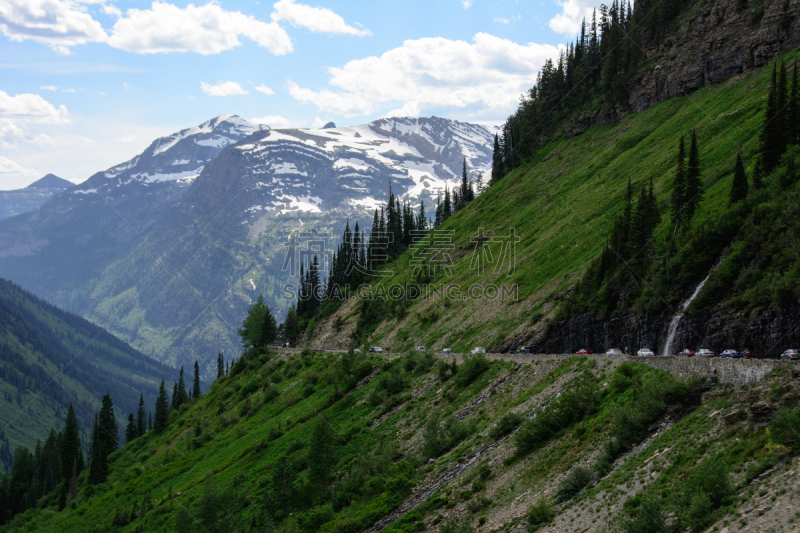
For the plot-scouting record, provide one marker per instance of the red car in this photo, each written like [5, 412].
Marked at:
[687, 352]
[584, 351]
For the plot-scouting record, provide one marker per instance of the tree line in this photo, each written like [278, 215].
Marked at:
[591, 72]
[55, 465]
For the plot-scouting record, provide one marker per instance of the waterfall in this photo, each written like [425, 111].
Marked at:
[673, 326]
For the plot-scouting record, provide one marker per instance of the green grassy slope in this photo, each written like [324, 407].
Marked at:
[50, 358]
[238, 434]
[562, 205]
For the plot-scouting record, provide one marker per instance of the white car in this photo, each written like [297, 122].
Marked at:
[704, 352]
[614, 351]
[790, 355]
[447, 350]
[645, 352]
[477, 350]
[376, 349]
[419, 349]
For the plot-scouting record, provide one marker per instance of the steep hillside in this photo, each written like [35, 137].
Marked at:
[561, 206]
[22, 200]
[342, 443]
[181, 292]
[50, 358]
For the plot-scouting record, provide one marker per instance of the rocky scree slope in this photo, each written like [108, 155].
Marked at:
[449, 451]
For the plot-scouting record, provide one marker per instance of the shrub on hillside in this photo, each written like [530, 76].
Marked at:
[704, 490]
[540, 514]
[785, 428]
[418, 362]
[649, 519]
[472, 367]
[505, 425]
[387, 384]
[578, 400]
[439, 438]
[575, 481]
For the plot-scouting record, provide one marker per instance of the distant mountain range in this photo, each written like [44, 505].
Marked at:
[169, 249]
[50, 358]
[22, 200]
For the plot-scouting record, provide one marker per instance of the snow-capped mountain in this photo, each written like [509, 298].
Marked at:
[169, 249]
[315, 171]
[175, 160]
[22, 200]
[56, 249]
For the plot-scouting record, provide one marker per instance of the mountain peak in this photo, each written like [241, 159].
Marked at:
[51, 181]
[329, 125]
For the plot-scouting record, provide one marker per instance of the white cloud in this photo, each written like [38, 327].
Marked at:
[7, 166]
[33, 108]
[487, 75]
[264, 89]
[129, 138]
[57, 23]
[223, 88]
[113, 11]
[48, 88]
[206, 29]
[409, 109]
[501, 20]
[466, 3]
[315, 19]
[275, 121]
[568, 22]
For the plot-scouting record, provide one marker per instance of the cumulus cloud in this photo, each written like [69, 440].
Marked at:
[466, 3]
[223, 88]
[275, 121]
[7, 166]
[264, 89]
[206, 29]
[568, 22]
[315, 19]
[487, 74]
[48, 88]
[16, 112]
[59, 24]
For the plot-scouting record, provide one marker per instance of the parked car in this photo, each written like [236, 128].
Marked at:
[584, 351]
[356, 350]
[524, 349]
[645, 352]
[376, 349]
[447, 350]
[687, 352]
[704, 352]
[791, 355]
[419, 349]
[614, 351]
[477, 350]
[731, 353]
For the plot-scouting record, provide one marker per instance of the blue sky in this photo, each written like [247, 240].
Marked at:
[86, 85]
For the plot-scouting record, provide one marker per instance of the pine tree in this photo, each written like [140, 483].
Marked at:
[131, 429]
[422, 222]
[175, 396]
[141, 418]
[106, 441]
[783, 110]
[291, 325]
[259, 329]
[497, 161]
[447, 208]
[792, 114]
[150, 421]
[694, 187]
[196, 392]
[161, 417]
[739, 185]
[679, 187]
[220, 365]
[71, 444]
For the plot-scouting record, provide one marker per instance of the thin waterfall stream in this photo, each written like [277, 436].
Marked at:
[673, 325]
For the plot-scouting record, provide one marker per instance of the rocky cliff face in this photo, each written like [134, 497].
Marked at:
[766, 333]
[716, 43]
